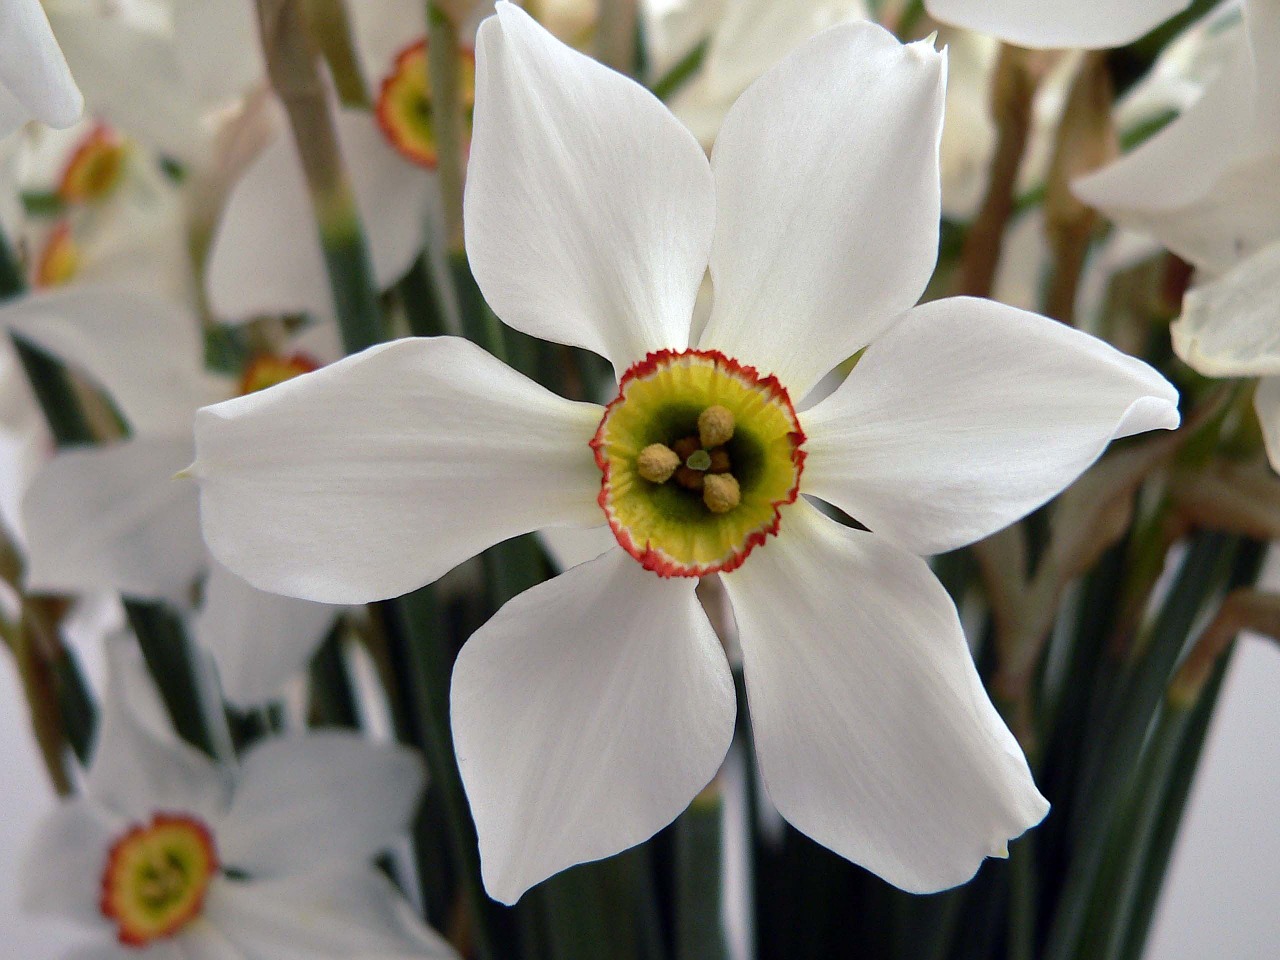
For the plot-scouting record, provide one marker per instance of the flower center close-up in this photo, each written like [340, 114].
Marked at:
[156, 878]
[699, 454]
[404, 108]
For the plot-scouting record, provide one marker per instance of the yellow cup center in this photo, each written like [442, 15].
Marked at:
[734, 448]
[156, 878]
[405, 110]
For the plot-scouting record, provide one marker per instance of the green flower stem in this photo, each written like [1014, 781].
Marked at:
[1023, 891]
[331, 27]
[616, 35]
[333, 698]
[293, 66]
[446, 115]
[418, 650]
[423, 306]
[1195, 725]
[681, 73]
[170, 660]
[1203, 571]
[699, 929]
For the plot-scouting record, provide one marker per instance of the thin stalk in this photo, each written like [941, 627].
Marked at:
[446, 116]
[331, 27]
[1023, 895]
[423, 306]
[616, 35]
[1202, 572]
[699, 831]
[421, 663]
[39, 687]
[681, 72]
[293, 67]
[168, 655]
[1012, 96]
[333, 697]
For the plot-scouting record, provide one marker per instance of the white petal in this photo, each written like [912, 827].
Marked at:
[32, 68]
[1228, 326]
[380, 473]
[381, 29]
[266, 256]
[258, 640]
[754, 35]
[589, 209]
[391, 192]
[969, 414]
[342, 912]
[113, 518]
[1266, 401]
[828, 200]
[308, 800]
[587, 713]
[570, 546]
[61, 871]
[164, 950]
[219, 47]
[133, 76]
[1045, 24]
[144, 351]
[201, 940]
[874, 734]
[135, 771]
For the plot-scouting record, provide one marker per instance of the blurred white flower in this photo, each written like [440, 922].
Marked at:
[266, 256]
[605, 688]
[167, 854]
[1207, 186]
[1044, 24]
[34, 79]
[747, 38]
[113, 517]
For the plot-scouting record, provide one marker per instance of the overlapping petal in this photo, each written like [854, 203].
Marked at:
[324, 798]
[266, 256]
[258, 640]
[143, 350]
[828, 199]
[62, 868]
[33, 71]
[1058, 23]
[1228, 326]
[136, 769]
[343, 911]
[874, 734]
[113, 518]
[969, 414]
[587, 713]
[589, 208]
[379, 473]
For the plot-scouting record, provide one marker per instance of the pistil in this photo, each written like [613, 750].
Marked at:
[699, 463]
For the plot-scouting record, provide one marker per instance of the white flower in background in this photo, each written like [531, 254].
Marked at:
[113, 518]
[1207, 186]
[266, 256]
[1228, 328]
[34, 80]
[748, 38]
[592, 215]
[1044, 24]
[168, 855]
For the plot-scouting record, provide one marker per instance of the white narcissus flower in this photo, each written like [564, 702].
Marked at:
[1228, 329]
[1045, 24]
[1207, 186]
[34, 79]
[113, 518]
[748, 38]
[167, 855]
[590, 710]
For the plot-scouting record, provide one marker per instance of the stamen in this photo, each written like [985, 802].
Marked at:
[657, 462]
[720, 492]
[715, 426]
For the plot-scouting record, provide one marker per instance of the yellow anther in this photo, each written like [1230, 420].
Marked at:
[657, 462]
[720, 492]
[715, 426]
